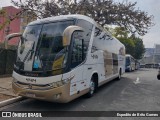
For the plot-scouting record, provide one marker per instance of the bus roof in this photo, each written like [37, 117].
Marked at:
[71, 17]
[63, 17]
[68, 17]
[128, 55]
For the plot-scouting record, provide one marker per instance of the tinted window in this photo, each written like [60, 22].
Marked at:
[51, 45]
[87, 33]
[97, 36]
[127, 61]
[77, 49]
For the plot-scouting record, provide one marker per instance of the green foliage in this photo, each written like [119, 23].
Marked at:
[120, 32]
[10, 47]
[134, 45]
[139, 48]
[7, 21]
[2, 13]
[105, 12]
[129, 45]
[7, 59]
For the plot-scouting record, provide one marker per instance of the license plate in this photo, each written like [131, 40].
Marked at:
[30, 95]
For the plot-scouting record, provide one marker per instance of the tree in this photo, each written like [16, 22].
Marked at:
[3, 14]
[105, 12]
[8, 19]
[129, 45]
[134, 45]
[139, 49]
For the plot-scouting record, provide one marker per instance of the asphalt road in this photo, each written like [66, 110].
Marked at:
[136, 91]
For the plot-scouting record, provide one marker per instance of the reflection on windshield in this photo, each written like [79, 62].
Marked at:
[41, 48]
[28, 40]
[51, 52]
[27, 46]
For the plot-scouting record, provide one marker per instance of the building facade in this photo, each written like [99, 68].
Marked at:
[15, 26]
[156, 57]
[11, 27]
[152, 55]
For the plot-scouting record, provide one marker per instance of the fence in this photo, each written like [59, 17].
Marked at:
[7, 59]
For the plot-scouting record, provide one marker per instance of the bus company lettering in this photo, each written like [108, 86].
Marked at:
[94, 56]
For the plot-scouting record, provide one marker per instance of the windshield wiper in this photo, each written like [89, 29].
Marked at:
[30, 51]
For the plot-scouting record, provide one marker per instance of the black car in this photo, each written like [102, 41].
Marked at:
[158, 76]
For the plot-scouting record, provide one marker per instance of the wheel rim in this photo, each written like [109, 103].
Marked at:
[92, 87]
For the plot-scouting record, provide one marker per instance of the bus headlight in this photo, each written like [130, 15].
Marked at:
[65, 81]
[59, 83]
[57, 96]
[54, 85]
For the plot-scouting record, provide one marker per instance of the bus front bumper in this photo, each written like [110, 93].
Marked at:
[59, 94]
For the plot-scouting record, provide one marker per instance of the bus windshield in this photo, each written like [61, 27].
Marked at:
[42, 44]
[28, 41]
[127, 61]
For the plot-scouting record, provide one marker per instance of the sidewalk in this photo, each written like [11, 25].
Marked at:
[6, 88]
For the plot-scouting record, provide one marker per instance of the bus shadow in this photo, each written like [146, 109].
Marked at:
[37, 105]
[108, 84]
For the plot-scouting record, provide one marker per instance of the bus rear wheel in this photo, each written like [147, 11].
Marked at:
[92, 88]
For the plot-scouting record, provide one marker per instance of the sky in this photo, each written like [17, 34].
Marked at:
[150, 6]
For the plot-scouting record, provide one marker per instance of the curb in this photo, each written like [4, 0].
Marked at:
[10, 101]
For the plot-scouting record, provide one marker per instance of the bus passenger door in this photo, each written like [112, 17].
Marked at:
[77, 63]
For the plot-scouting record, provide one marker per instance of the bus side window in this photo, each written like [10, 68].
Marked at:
[87, 26]
[77, 55]
[97, 35]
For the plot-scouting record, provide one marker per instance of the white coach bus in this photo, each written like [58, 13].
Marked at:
[130, 63]
[61, 58]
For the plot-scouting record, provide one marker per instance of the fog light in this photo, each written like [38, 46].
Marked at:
[59, 83]
[57, 96]
[65, 81]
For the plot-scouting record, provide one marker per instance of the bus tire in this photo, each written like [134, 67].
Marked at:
[158, 77]
[92, 88]
[130, 69]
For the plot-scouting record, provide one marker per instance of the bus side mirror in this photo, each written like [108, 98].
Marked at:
[9, 37]
[67, 34]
